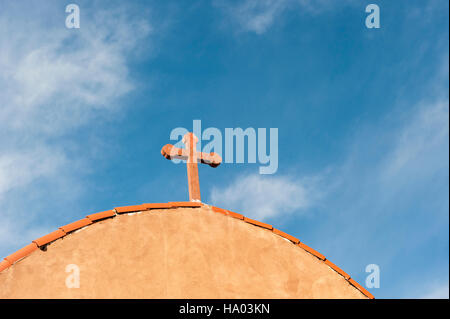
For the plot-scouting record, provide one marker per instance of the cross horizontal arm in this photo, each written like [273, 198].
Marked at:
[212, 159]
[171, 152]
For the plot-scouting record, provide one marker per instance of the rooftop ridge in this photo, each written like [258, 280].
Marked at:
[42, 242]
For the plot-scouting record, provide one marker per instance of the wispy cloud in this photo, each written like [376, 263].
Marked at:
[19, 168]
[264, 197]
[394, 186]
[419, 148]
[390, 192]
[253, 15]
[259, 15]
[61, 76]
[55, 80]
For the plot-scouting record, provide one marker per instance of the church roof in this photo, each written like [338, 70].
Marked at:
[9, 262]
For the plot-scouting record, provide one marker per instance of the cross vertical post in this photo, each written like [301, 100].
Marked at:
[192, 157]
[190, 140]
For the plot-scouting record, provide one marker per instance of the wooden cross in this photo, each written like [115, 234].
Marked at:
[192, 157]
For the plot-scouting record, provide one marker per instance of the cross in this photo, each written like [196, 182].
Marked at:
[192, 157]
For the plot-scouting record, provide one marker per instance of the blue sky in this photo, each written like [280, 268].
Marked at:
[362, 116]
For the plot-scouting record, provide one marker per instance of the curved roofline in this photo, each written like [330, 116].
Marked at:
[42, 242]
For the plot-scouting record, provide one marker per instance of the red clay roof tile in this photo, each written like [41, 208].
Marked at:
[337, 269]
[219, 210]
[49, 238]
[257, 223]
[156, 205]
[227, 212]
[361, 288]
[101, 215]
[287, 236]
[185, 204]
[4, 264]
[235, 215]
[76, 225]
[368, 294]
[21, 253]
[311, 251]
[130, 209]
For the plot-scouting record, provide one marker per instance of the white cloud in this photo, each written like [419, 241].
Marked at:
[390, 192]
[389, 168]
[55, 80]
[263, 196]
[254, 15]
[412, 155]
[259, 15]
[421, 141]
[393, 186]
[20, 168]
[61, 76]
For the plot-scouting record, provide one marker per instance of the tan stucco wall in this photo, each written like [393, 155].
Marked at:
[177, 253]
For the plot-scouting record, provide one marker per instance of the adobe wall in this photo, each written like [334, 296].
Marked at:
[176, 253]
